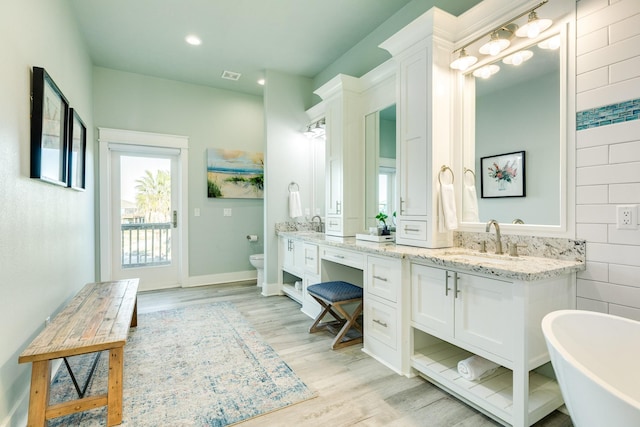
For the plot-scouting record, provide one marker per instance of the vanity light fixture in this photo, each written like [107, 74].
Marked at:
[498, 42]
[496, 45]
[315, 129]
[518, 57]
[534, 26]
[552, 43]
[486, 71]
[308, 133]
[463, 61]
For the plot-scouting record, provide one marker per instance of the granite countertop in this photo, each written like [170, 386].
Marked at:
[525, 268]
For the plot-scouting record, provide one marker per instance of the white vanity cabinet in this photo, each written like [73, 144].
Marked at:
[424, 84]
[384, 338]
[344, 153]
[455, 306]
[455, 314]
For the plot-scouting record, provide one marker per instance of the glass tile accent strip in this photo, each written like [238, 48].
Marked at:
[608, 115]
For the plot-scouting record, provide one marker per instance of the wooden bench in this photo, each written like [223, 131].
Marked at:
[96, 319]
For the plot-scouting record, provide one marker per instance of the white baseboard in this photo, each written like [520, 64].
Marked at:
[215, 279]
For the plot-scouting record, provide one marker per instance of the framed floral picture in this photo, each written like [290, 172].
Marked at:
[503, 175]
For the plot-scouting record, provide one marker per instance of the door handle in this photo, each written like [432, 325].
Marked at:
[175, 219]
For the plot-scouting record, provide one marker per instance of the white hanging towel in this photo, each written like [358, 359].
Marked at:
[476, 367]
[447, 217]
[470, 204]
[295, 207]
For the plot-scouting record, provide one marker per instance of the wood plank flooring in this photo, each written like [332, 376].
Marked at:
[353, 389]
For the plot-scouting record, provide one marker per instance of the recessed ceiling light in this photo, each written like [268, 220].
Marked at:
[261, 82]
[193, 40]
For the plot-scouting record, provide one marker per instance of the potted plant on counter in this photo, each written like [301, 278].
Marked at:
[382, 218]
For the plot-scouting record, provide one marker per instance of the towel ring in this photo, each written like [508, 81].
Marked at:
[293, 187]
[473, 174]
[443, 169]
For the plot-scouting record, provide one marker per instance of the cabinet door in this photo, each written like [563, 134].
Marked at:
[334, 123]
[432, 300]
[484, 313]
[293, 261]
[413, 148]
[310, 258]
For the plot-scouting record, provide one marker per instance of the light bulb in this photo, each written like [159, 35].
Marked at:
[518, 57]
[464, 61]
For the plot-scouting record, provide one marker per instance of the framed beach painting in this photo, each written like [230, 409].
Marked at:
[235, 174]
[49, 127]
[503, 175]
[77, 151]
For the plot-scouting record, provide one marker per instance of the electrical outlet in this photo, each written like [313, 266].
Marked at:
[226, 212]
[627, 217]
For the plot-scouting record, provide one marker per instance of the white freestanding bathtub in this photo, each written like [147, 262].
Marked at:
[596, 358]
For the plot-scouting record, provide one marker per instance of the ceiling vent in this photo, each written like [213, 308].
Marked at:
[230, 75]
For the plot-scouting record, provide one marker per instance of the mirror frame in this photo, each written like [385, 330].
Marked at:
[466, 133]
[379, 92]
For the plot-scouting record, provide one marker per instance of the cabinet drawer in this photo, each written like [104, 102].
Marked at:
[380, 322]
[415, 230]
[310, 258]
[341, 256]
[383, 277]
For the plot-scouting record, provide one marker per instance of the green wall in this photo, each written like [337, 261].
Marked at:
[211, 118]
[47, 231]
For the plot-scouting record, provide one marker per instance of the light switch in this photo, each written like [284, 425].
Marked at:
[226, 212]
[196, 212]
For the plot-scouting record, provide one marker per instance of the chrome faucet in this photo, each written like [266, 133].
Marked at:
[320, 227]
[498, 239]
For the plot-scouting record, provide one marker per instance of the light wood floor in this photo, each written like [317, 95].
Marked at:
[353, 389]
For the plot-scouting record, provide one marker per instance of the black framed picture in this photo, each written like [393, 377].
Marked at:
[77, 151]
[503, 175]
[49, 126]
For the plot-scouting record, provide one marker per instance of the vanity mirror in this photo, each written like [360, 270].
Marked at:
[521, 107]
[380, 164]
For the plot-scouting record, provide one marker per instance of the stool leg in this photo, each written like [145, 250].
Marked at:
[327, 308]
[351, 322]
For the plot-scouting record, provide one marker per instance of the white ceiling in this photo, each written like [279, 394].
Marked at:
[300, 37]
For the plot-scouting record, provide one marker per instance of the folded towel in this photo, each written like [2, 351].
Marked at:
[476, 367]
[447, 218]
[295, 207]
[470, 204]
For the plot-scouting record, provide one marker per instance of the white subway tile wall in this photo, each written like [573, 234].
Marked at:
[608, 153]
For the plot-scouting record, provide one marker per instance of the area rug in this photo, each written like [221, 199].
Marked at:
[201, 365]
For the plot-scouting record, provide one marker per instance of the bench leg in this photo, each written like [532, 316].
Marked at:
[39, 394]
[134, 317]
[114, 393]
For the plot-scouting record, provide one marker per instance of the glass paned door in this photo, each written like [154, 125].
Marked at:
[144, 217]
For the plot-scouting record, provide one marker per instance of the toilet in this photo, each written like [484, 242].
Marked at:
[257, 261]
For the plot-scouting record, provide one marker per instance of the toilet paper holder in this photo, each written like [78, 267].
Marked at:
[252, 237]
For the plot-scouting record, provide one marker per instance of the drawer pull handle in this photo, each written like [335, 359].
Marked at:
[380, 322]
[411, 229]
[339, 256]
[384, 279]
[310, 258]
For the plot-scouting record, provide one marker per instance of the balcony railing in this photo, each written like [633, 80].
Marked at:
[146, 244]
